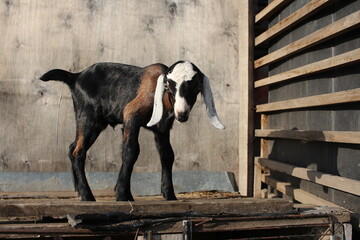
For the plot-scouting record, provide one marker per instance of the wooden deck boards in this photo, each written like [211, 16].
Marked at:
[44, 214]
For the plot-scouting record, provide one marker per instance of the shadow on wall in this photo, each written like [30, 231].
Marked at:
[331, 158]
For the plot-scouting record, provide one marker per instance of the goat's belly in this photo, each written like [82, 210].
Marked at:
[114, 118]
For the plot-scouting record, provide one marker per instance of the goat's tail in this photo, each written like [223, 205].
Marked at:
[60, 75]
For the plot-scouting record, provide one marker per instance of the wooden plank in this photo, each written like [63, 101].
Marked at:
[335, 29]
[270, 9]
[307, 198]
[199, 225]
[312, 101]
[352, 137]
[245, 96]
[264, 150]
[329, 180]
[257, 180]
[296, 193]
[41, 208]
[263, 153]
[327, 64]
[109, 195]
[300, 15]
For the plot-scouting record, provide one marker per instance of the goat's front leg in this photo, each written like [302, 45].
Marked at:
[130, 153]
[167, 159]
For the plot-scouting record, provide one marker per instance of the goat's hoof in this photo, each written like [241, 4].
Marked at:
[88, 198]
[124, 198]
[170, 197]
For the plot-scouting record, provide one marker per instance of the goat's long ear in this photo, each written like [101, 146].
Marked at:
[158, 102]
[210, 105]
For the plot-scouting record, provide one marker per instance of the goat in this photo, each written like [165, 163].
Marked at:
[150, 97]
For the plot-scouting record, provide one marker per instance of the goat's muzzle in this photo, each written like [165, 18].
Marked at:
[182, 116]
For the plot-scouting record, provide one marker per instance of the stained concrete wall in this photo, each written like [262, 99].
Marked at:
[37, 119]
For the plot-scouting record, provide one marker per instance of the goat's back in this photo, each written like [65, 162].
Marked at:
[104, 89]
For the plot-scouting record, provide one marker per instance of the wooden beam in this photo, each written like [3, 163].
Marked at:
[300, 15]
[307, 198]
[270, 9]
[56, 208]
[246, 81]
[199, 226]
[341, 183]
[312, 101]
[332, 30]
[296, 193]
[327, 64]
[257, 179]
[264, 152]
[352, 137]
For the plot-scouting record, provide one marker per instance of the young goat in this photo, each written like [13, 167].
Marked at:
[150, 97]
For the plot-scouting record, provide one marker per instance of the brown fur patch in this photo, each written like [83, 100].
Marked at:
[79, 143]
[166, 101]
[144, 100]
[126, 135]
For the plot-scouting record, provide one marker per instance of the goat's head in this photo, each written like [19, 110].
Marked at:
[183, 82]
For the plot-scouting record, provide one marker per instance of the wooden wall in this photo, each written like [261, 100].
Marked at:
[36, 118]
[310, 126]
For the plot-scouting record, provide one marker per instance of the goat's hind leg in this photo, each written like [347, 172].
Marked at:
[85, 137]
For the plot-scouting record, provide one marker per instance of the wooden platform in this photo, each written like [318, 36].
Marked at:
[208, 214]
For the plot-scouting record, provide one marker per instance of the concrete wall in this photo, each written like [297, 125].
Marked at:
[37, 119]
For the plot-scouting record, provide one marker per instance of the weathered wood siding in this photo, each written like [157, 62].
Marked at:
[36, 118]
[312, 118]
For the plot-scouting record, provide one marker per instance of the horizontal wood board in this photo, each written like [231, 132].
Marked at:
[341, 97]
[230, 215]
[270, 10]
[331, 31]
[315, 224]
[55, 208]
[312, 68]
[351, 137]
[336, 182]
[296, 17]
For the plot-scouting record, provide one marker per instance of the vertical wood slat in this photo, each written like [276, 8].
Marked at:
[264, 153]
[246, 125]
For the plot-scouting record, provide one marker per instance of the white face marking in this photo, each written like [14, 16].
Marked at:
[181, 72]
[181, 105]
